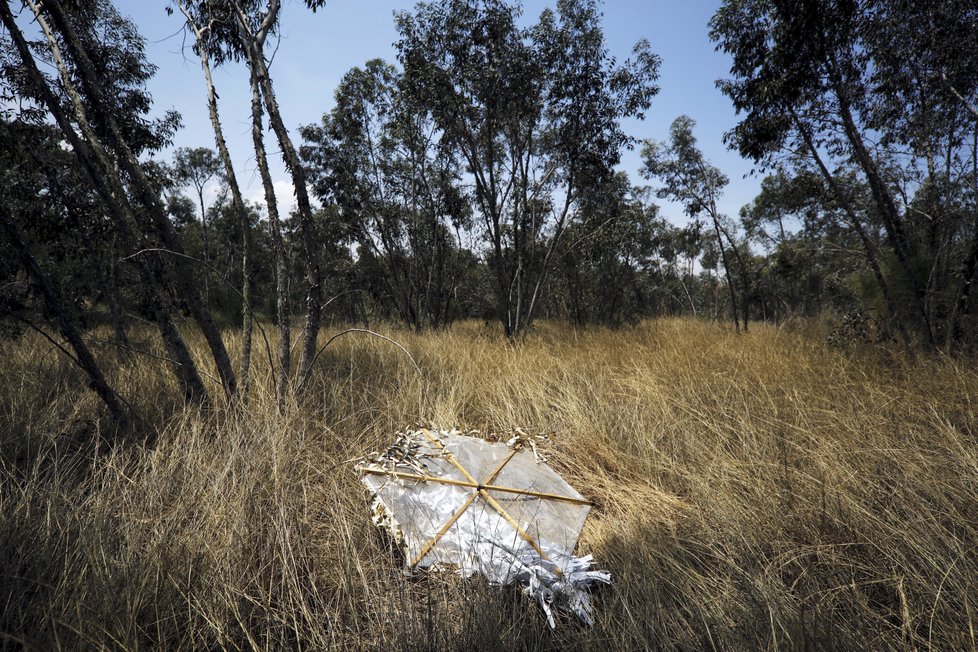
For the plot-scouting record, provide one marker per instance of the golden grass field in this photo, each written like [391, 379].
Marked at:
[760, 491]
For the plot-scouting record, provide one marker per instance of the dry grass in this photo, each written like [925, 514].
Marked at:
[758, 491]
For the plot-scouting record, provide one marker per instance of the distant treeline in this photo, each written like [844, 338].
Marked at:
[475, 178]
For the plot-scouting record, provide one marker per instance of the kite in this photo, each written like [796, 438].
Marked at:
[490, 508]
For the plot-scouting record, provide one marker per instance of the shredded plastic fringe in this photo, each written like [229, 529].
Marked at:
[565, 591]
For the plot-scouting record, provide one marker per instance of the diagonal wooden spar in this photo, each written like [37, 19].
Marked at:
[434, 540]
[481, 489]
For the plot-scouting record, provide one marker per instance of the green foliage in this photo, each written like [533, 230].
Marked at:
[535, 114]
[477, 176]
[688, 178]
[118, 53]
[614, 255]
[880, 94]
[811, 261]
[397, 185]
[46, 196]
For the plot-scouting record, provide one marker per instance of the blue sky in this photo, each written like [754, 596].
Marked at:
[317, 49]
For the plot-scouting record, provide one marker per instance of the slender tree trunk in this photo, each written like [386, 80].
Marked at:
[727, 273]
[237, 200]
[101, 173]
[498, 261]
[281, 268]
[112, 296]
[398, 281]
[207, 246]
[544, 272]
[744, 278]
[692, 305]
[488, 200]
[256, 63]
[505, 309]
[961, 305]
[148, 195]
[248, 324]
[66, 322]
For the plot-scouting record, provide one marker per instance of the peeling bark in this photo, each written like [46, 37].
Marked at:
[200, 35]
[146, 193]
[100, 172]
[253, 44]
[281, 267]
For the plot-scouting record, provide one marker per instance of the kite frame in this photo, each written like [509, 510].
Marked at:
[481, 489]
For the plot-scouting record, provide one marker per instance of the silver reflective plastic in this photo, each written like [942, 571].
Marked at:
[519, 524]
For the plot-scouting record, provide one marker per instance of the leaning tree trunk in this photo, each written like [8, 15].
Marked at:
[66, 322]
[744, 277]
[310, 331]
[247, 319]
[101, 173]
[113, 295]
[147, 194]
[726, 272]
[207, 246]
[551, 248]
[236, 199]
[884, 202]
[854, 221]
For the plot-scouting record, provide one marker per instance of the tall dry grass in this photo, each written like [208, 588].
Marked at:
[760, 491]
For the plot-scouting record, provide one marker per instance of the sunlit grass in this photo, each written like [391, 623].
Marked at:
[753, 491]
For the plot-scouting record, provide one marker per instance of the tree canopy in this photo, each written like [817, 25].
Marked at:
[478, 176]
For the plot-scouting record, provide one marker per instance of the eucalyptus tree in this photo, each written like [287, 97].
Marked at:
[786, 220]
[534, 113]
[202, 34]
[925, 65]
[54, 245]
[381, 158]
[145, 192]
[612, 269]
[98, 105]
[253, 22]
[239, 30]
[883, 87]
[688, 178]
[814, 259]
[282, 304]
[197, 167]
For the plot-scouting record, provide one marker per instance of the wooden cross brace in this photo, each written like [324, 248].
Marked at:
[481, 489]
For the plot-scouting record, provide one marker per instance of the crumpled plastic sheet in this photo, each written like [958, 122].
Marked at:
[481, 540]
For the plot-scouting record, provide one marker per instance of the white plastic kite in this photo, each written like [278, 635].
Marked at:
[492, 508]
